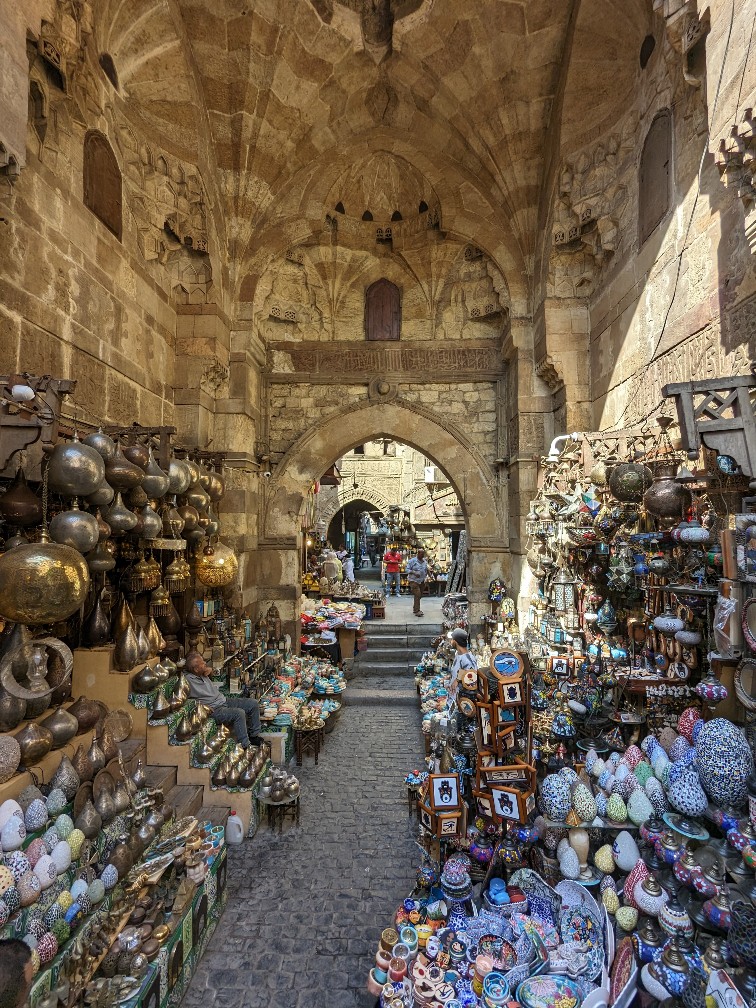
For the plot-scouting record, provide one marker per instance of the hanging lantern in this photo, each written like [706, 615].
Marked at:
[217, 566]
[160, 602]
[176, 578]
[563, 591]
[273, 621]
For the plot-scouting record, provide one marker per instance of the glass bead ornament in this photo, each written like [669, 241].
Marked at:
[724, 762]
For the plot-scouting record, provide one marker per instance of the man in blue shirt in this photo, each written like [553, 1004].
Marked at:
[417, 574]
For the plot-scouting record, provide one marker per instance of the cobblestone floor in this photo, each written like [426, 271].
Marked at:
[306, 909]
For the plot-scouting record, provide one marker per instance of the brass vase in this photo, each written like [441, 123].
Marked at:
[81, 764]
[96, 756]
[96, 627]
[143, 644]
[34, 742]
[87, 713]
[154, 637]
[146, 680]
[19, 505]
[121, 798]
[122, 618]
[105, 805]
[12, 710]
[218, 776]
[121, 473]
[126, 651]
[62, 725]
[66, 778]
[161, 708]
[184, 729]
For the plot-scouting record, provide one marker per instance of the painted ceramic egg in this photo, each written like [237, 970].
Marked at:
[686, 721]
[648, 744]
[622, 771]
[697, 729]
[643, 772]
[36, 962]
[570, 774]
[607, 882]
[639, 807]
[625, 788]
[35, 850]
[29, 889]
[614, 760]
[616, 809]
[626, 917]
[9, 808]
[13, 833]
[35, 925]
[6, 878]
[606, 780]
[85, 903]
[610, 899]
[639, 872]
[47, 948]
[51, 838]
[4, 913]
[54, 913]
[56, 801]
[61, 855]
[78, 887]
[562, 846]
[36, 816]
[18, 863]
[632, 756]
[96, 891]
[686, 794]
[75, 842]
[625, 851]
[64, 826]
[601, 801]
[590, 758]
[598, 768]
[109, 876]
[724, 762]
[569, 864]
[12, 900]
[667, 737]
[583, 803]
[660, 763]
[65, 899]
[659, 802]
[604, 860]
[678, 748]
[46, 871]
[555, 797]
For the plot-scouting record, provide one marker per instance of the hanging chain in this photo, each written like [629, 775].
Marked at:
[44, 498]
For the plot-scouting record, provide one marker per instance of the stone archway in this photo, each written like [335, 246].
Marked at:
[483, 505]
[347, 495]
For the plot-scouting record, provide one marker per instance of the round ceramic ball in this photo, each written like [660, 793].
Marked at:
[724, 761]
[12, 899]
[75, 841]
[65, 900]
[51, 839]
[109, 876]
[64, 826]
[4, 912]
[36, 816]
[56, 801]
[62, 932]
[36, 850]
[96, 891]
[10, 757]
[47, 947]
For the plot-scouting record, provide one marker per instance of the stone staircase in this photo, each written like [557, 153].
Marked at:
[384, 675]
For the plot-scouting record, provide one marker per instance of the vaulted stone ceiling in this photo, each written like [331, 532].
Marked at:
[276, 100]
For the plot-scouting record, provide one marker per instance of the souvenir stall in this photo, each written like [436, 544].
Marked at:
[587, 814]
[112, 806]
[332, 626]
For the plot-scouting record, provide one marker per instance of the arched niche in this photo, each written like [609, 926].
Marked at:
[654, 177]
[102, 182]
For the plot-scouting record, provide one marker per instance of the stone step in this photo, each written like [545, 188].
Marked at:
[216, 814]
[162, 777]
[378, 696]
[186, 799]
[371, 669]
[378, 628]
[379, 650]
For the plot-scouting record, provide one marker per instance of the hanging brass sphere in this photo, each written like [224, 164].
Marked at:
[42, 582]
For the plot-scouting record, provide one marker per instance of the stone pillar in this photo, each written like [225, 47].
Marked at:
[485, 562]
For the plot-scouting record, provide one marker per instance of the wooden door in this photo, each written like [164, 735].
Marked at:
[383, 311]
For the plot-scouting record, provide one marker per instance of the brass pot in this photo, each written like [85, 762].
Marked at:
[143, 644]
[42, 582]
[66, 778]
[34, 742]
[138, 453]
[218, 776]
[156, 482]
[157, 643]
[179, 476]
[152, 523]
[233, 775]
[122, 619]
[161, 708]
[87, 713]
[120, 519]
[101, 443]
[122, 857]
[121, 473]
[108, 745]
[126, 651]
[184, 729]
[81, 765]
[666, 498]
[96, 756]
[96, 627]
[75, 528]
[204, 754]
[74, 469]
[62, 725]
[121, 797]
[100, 559]
[19, 505]
[105, 805]
[102, 496]
[12, 710]
[145, 680]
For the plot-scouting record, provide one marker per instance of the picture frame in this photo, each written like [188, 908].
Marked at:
[515, 774]
[506, 663]
[486, 724]
[512, 691]
[482, 690]
[510, 804]
[444, 792]
[426, 816]
[448, 824]
[505, 738]
[483, 803]
[560, 666]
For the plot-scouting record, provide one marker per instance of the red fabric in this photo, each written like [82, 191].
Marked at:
[393, 561]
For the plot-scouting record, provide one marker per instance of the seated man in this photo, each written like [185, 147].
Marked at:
[240, 713]
[16, 972]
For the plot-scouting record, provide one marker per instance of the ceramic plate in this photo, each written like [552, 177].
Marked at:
[83, 795]
[119, 723]
[103, 782]
[548, 992]
[573, 894]
[745, 677]
[578, 925]
[624, 961]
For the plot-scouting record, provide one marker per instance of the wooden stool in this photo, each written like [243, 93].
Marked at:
[307, 742]
[277, 812]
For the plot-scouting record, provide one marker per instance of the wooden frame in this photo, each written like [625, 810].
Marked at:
[507, 664]
[426, 816]
[560, 666]
[482, 690]
[513, 691]
[505, 738]
[448, 824]
[486, 727]
[516, 774]
[444, 792]
[509, 804]
[483, 803]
